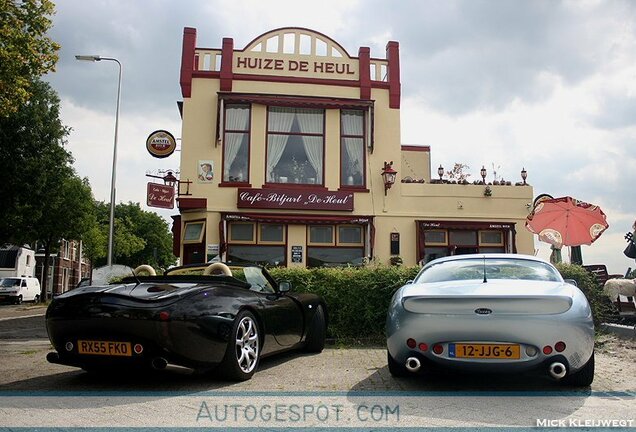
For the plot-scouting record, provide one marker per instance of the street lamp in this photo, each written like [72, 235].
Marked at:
[111, 226]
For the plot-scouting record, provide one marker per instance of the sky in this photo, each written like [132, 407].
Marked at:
[549, 86]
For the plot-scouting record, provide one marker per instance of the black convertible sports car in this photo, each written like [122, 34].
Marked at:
[201, 322]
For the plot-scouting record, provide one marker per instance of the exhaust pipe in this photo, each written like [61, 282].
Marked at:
[557, 370]
[53, 357]
[159, 363]
[413, 364]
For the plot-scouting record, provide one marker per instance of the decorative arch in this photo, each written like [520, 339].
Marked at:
[297, 41]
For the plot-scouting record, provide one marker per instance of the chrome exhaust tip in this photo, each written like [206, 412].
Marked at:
[53, 357]
[557, 370]
[159, 363]
[413, 364]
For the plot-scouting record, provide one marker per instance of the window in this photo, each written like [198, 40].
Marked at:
[352, 148]
[335, 245]
[435, 237]
[236, 143]
[193, 232]
[490, 238]
[266, 249]
[295, 145]
[443, 242]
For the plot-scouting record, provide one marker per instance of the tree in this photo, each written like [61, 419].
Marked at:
[33, 162]
[141, 237]
[69, 213]
[26, 53]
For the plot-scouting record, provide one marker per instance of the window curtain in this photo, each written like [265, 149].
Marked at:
[311, 121]
[236, 119]
[352, 123]
[353, 147]
[280, 120]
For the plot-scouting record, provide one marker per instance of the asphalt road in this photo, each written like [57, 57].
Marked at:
[337, 388]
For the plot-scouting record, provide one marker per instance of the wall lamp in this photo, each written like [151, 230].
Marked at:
[483, 174]
[388, 175]
[440, 172]
[524, 175]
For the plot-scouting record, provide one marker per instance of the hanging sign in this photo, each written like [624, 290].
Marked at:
[161, 144]
[159, 195]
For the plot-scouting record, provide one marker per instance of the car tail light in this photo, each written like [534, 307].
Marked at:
[164, 316]
[547, 350]
[138, 348]
[423, 347]
[410, 342]
[438, 349]
[559, 346]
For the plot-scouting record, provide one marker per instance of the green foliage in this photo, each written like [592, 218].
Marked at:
[602, 308]
[33, 162]
[141, 237]
[26, 53]
[357, 298]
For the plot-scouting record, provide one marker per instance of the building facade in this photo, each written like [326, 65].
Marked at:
[66, 268]
[284, 143]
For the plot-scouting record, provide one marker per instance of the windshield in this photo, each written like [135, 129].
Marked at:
[9, 282]
[494, 268]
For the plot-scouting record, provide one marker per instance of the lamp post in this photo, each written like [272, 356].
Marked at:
[483, 174]
[111, 225]
[524, 175]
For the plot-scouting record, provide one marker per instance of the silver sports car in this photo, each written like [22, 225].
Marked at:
[492, 312]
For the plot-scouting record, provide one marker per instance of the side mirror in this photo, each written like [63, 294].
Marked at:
[571, 282]
[284, 286]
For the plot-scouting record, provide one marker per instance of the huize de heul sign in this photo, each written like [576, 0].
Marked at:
[294, 199]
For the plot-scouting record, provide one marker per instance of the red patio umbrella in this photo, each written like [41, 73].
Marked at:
[566, 222]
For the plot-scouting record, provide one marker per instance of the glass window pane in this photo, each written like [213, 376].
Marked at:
[263, 255]
[492, 249]
[352, 161]
[237, 117]
[280, 119]
[492, 237]
[321, 234]
[294, 159]
[193, 231]
[463, 237]
[435, 236]
[272, 233]
[241, 232]
[350, 234]
[431, 253]
[335, 256]
[352, 122]
[235, 157]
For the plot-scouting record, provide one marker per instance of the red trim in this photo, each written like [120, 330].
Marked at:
[347, 188]
[228, 184]
[364, 67]
[415, 148]
[176, 235]
[302, 186]
[491, 225]
[187, 60]
[393, 57]
[192, 203]
[227, 58]
[295, 101]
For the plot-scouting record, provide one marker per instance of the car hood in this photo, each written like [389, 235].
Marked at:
[497, 297]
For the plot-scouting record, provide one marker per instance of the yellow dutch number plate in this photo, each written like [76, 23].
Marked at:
[106, 348]
[485, 351]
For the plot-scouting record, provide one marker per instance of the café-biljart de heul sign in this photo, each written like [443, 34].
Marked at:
[295, 200]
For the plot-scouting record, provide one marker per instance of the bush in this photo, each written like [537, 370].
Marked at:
[602, 308]
[357, 298]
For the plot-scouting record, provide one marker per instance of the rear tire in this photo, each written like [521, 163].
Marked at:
[396, 369]
[36, 299]
[583, 377]
[243, 349]
[317, 332]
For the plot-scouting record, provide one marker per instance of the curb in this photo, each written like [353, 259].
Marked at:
[620, 330]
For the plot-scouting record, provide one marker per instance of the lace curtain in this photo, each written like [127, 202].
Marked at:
[236, 119]
[352, 123]
[280, 120]
[311, 121]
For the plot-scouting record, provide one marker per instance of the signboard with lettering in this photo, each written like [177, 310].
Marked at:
[159, 195]
[296, 254]
[161, 144]
[294, 199]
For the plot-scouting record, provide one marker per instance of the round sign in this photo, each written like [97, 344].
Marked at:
[161, 144]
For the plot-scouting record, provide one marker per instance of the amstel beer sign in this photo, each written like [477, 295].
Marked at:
[161, 144]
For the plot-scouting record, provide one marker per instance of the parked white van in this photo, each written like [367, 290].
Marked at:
[19, 289]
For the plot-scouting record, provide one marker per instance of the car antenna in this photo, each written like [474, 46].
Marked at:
[485, 280]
